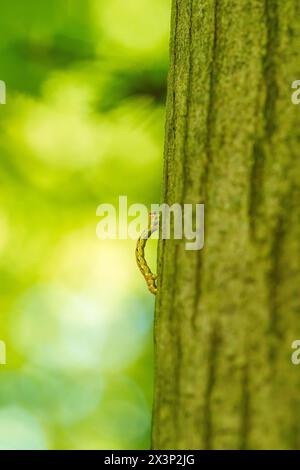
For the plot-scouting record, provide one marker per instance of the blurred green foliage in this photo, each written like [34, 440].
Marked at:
[83, 124]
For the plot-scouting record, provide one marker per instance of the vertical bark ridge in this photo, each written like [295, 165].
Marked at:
[214, 348]
[209, 154]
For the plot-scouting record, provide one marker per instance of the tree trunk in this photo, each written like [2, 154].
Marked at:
[226, 315]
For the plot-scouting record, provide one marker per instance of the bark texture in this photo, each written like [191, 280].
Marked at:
[226, 316]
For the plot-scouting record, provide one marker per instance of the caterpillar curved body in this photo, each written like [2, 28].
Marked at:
[150, 278]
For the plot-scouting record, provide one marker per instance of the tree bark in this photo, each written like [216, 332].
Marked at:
[226, 315]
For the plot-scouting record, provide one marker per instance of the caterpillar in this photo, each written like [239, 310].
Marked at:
[150, 278]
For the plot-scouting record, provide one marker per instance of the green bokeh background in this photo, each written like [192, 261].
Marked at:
[83, 124]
